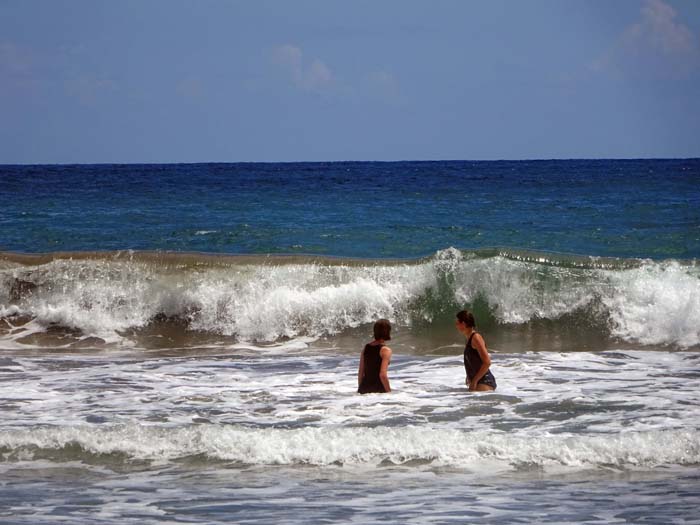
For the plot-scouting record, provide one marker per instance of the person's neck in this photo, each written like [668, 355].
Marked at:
[468, 331]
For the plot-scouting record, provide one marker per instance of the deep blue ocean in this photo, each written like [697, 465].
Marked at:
[180, 343]
[618, 208]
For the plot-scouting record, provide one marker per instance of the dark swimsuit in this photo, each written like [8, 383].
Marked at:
[472, 364]
[373, 363]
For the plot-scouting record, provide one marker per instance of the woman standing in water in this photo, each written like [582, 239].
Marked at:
[372, 376]
[476, 358]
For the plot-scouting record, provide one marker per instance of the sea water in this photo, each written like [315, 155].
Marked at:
[179, 343]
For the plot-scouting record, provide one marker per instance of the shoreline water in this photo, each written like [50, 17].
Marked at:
[574, 437]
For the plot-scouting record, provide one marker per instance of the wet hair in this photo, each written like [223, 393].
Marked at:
[382, 330]
[466, 317]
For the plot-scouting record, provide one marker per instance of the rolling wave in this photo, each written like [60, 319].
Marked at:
[268, 298]
[348, 446]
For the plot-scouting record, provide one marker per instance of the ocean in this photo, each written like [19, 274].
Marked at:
[179, 343]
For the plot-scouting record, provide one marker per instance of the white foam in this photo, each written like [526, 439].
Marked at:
[326, 446]
[293, 300]
[521, 291]
[657, 303]
[551, 393]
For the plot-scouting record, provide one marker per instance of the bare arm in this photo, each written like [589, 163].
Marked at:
[361, 371]
[480, 346]
[385, 354]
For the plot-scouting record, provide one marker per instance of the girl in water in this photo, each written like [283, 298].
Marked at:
[374, 361]
[476, 358]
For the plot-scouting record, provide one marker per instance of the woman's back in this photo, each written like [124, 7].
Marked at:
[372, 366]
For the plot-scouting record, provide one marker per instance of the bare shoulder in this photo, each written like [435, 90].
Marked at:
[385, 351]
[479, 340]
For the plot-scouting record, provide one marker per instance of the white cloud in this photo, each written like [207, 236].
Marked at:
[315, 76]
[289, 56]
[655, 42]
[659, 29]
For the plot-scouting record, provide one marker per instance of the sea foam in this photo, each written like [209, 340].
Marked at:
[267, 298]
[369, 446]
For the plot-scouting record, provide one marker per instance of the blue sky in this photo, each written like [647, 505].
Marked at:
[227, 81]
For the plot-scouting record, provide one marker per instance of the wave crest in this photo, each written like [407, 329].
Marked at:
[347, 446]
[267, 298]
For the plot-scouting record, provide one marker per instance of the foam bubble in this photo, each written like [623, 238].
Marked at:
[327, 446]
[656, 304]
[521, 291]
[288, 301]
[265, 300]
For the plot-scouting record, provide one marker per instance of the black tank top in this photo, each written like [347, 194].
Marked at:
[472, 359]
[373, 363]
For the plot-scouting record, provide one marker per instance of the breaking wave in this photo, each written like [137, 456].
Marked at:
[268, 298]
[348, 446]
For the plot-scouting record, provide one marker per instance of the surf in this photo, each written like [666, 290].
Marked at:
[116, 297]
[322, 446]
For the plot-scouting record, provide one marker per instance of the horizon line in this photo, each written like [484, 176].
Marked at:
[533, 159]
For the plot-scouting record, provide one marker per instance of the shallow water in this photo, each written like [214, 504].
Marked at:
[66, 494]
[282, 436]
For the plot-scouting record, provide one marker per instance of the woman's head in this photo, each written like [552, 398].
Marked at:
[466, 318]
[382, 330]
